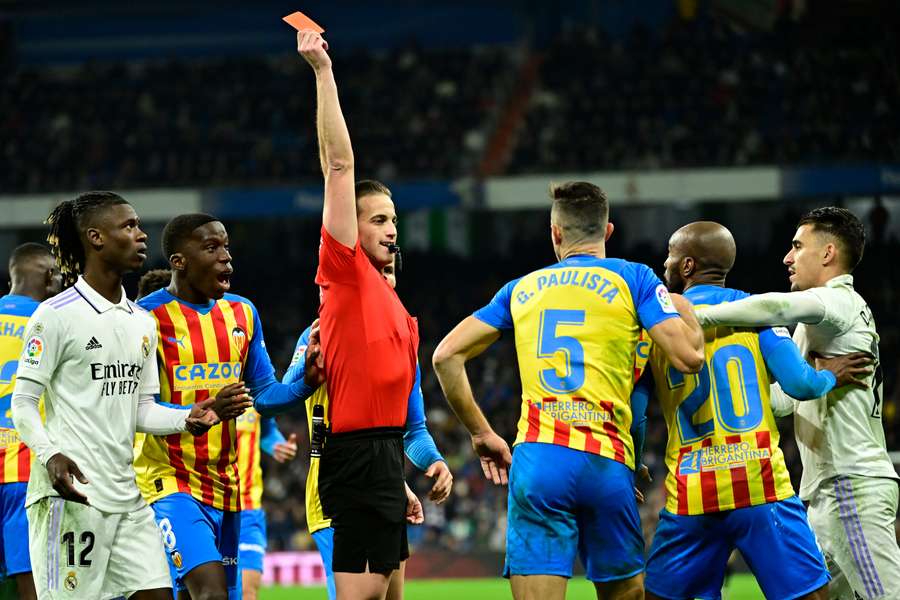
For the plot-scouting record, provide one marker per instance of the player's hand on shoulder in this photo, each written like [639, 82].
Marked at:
[312, 47]
[414, 512]
[231, 401]
[63, 471]
[285, 451]
[847, 369]
[201, 417]
[495, 456]
[443, 481]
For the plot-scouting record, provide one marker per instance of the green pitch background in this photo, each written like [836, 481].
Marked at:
[741, 587]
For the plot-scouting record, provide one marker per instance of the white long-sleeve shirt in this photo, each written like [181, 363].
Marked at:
[95, 362]
[840, 433]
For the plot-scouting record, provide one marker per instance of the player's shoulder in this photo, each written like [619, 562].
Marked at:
[18, 306]
[237, 299]
[67, 301]
[155, 299]
[700, 295]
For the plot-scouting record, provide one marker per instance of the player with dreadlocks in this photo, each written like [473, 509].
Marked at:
[92, 354]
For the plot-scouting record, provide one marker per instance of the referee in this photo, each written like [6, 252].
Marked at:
[369, 345]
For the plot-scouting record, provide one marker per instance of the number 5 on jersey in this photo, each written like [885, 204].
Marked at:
[550, 343]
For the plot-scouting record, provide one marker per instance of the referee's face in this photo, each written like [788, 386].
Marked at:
[377, 221]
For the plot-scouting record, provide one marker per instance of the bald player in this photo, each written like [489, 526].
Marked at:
[848, 478]
[34, 278]
[727, 484]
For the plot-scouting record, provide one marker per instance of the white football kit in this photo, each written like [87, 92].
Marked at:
[848, 478]
[95, 363]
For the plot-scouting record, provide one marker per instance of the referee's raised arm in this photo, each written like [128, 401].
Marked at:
[335, 151]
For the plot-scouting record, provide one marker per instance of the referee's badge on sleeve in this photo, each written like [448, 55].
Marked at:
[665, 300]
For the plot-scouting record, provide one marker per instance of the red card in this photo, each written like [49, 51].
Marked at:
[299, 21]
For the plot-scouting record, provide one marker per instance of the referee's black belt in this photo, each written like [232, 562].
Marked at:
[374, 433]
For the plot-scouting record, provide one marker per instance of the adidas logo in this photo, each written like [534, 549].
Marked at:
[93, 344]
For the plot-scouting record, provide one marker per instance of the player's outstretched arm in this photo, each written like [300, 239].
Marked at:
[335, 150]
[681, 339]
[765, 310]
[467, 340]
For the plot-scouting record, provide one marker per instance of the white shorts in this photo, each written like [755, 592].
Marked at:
[853, 518]
[78, 551]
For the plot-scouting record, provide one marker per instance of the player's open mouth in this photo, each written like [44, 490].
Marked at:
[224, 279]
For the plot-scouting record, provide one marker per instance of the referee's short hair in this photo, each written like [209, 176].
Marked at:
[368, 187]
[844, 226]
[580, 209]
[179, 230]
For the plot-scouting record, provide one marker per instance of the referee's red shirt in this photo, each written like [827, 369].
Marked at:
[369, 341]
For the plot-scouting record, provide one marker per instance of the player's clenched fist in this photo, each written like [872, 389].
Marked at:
[312, 47]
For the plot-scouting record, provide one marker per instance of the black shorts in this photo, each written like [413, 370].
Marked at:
[362, 490]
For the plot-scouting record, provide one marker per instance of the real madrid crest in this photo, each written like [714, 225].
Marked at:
[239, 337]
[145, 347]
[71, 582]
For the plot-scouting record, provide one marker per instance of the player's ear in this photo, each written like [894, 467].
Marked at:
[609, 231]
[177, 261]
[556, 234]
[687, 266]
[829, 254]
[94, 237]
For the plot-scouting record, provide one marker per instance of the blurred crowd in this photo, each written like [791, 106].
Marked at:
[699, 93]
[694, 93]
[241, 120]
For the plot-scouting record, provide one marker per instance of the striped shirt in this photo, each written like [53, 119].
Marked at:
[577, 330]
[202, 348]
[15, 457]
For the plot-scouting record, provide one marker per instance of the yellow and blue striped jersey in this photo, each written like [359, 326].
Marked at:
[255, 434]
[15, 457]
[201, 350]
[722, 452]
[577, 328]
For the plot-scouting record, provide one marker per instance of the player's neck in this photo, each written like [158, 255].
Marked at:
[597, 250]
[829, 274]
[716, 281]
[36, 293]
[105, 281]
[183, 290]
